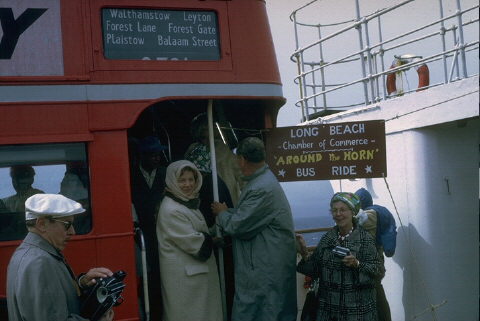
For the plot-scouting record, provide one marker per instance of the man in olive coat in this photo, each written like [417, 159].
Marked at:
[264, 250]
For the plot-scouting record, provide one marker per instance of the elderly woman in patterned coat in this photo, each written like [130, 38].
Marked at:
[189, 278]
[346, 289]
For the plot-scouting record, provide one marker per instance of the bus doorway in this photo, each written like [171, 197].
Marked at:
[163, 133]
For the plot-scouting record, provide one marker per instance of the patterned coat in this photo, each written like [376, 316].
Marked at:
[39, 285]
[345, 293]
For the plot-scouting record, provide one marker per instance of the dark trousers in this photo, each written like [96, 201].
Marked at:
[383, 308]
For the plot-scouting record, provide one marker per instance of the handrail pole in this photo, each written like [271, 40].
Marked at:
[442, 36]
[462, 41]
[301, 70]
[300, 82]
[360, 40]
[454, 62]
[304, 85]
[300, 87]
[370, 63]
[296, 29]
[314, 88]
[322, 71]
[455, 55]
[382, 60]
[143, 256]
[213, 158]
[377, 79]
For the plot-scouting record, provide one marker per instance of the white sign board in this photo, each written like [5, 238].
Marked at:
[30, 38]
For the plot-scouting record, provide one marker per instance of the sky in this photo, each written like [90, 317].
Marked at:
[304, 197]
[284, 39]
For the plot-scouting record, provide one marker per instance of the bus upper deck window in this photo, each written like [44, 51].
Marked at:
[26, 170]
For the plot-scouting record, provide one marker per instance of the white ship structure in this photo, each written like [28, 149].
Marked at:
[413, 64]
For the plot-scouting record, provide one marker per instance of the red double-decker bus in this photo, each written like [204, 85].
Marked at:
[80, 79]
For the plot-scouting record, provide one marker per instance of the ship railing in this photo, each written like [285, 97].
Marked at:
[312, 73]
[313, 230]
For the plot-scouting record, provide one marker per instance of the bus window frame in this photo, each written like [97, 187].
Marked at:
[29, 149]
[101, 63]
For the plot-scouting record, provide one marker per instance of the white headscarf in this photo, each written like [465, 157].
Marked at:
[173, 174]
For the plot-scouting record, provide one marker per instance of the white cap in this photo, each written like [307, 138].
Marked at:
[54, 205]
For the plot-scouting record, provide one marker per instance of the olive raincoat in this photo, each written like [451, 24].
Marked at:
[264, 251]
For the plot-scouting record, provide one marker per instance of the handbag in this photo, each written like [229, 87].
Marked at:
[309, 310]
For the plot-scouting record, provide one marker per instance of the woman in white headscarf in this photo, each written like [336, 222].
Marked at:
[189, 277]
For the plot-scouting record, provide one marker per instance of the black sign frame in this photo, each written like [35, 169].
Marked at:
[328, 151]
[160, 34]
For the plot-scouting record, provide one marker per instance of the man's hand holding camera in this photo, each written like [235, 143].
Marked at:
[89, 278]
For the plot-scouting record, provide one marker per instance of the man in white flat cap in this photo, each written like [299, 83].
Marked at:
[41, 286]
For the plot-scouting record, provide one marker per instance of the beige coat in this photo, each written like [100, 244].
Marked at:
[190, 287]
[228, 170]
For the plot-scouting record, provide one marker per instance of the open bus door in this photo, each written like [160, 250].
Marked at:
[170, 121]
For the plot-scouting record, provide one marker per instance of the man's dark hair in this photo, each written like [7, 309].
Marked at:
[22, 171]
[252, 149]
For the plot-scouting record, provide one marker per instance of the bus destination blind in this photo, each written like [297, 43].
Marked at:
[147, 34]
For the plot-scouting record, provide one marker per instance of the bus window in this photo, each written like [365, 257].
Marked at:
[26, 170]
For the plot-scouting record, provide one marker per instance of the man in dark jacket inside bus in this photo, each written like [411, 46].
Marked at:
[148, 185]
[261, 227]
[22, 180]
[41, 286]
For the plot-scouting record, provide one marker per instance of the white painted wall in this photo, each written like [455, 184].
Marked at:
[433, 178]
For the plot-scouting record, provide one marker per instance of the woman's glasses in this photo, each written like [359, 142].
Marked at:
[339, 210]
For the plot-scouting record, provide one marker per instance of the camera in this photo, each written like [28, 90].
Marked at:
[340, 251]
[101, 297]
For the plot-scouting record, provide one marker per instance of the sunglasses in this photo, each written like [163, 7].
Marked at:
[66, 224]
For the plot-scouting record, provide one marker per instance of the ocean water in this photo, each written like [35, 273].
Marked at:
[301, 223]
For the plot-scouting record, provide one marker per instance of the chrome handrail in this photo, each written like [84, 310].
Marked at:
[312, 73]
[143, 253]
[399, 68]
